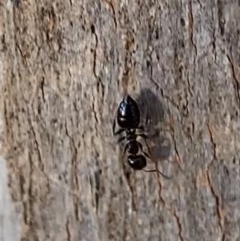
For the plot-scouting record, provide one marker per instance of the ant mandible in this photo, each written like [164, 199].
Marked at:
[128, 119]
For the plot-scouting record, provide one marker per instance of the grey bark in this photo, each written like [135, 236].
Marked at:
[64, 68]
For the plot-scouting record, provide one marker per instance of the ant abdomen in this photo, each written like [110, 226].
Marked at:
[137, 162]
[127, 123]
[128, 114]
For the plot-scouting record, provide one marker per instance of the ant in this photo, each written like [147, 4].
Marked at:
[128, 119]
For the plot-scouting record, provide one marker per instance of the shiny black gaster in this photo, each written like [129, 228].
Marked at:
[128, 114]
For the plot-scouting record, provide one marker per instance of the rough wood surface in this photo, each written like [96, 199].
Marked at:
[65, 66]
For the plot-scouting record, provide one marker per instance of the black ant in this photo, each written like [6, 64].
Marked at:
[128, 118]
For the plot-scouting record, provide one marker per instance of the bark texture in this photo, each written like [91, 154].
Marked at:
[64, 68]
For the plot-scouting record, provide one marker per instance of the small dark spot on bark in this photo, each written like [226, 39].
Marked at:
[234, 160]
[182, 21]
[39, 110]
[180, 69]
[4, 45]
[157, 34]
[222, 31]
[181, 43]
[15, 3]
[226, 171]
[221, 20]
[54, 121]
[148, 63]
[92, 29]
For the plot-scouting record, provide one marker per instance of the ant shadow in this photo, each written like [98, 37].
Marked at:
[151, 108]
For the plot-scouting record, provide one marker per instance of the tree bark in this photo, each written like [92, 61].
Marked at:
[64, 68]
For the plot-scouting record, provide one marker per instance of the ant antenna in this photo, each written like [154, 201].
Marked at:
[165, 176]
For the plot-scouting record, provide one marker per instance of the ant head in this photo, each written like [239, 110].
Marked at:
[137, 162]
[127, 99]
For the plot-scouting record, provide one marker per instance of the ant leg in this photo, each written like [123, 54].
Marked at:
[141, 148]
[125, 149]
[144, 136]
[165, 176]
[140, 128]
[119, 132]
[147, 120]
[114, 129]
[121, 139]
